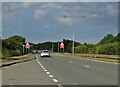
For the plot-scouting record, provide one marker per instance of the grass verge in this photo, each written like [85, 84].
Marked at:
[18, 58]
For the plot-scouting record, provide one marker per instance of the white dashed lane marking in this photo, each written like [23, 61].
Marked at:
[87, 66]
[55, 80]
[70, 61]
[51, 76]
[44, 68]
[47, 72]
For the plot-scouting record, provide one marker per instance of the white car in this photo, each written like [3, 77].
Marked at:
[45, 53]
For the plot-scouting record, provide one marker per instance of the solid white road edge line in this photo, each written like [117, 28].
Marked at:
[39, 62]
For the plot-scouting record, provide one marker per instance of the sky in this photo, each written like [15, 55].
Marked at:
[44, 21]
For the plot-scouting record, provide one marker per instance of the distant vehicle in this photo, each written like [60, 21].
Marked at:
[39, 51]
[45, 53]
[34, 51]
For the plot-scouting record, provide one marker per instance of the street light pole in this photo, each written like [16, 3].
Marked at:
[73, 18]
[52, 46]
[73, 36]
[59, 40]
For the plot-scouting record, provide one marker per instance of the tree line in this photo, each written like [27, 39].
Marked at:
[13, 46]
[108, 45]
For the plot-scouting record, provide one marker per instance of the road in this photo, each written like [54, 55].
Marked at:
[60, 70]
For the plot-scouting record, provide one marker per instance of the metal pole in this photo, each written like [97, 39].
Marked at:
[52, 46]
[59, 50]
[73, 36]
[58, 46]
[73, 18]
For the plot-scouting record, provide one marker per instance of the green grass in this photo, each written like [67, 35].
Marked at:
[16, 58]
[22, 56]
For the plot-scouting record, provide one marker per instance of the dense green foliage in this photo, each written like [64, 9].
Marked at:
[12, 46]
[108, 45]
[107, 39]
[85, 48]
[109, 48]
[48, 46]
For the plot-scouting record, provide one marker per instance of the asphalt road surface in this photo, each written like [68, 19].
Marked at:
[60, 70]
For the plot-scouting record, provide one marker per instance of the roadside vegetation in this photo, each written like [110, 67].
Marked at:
[12, 46]
[109, 45]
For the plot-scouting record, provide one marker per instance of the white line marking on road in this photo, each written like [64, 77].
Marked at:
[55, 80]
[60, 85]
[47, 72]
[87, 66]
[39, 62]
[6, 67]
[44, 68]
[96, 61]
[12, 65]
[51, 76]
[70, 61]
[36, 57]
[10, 84]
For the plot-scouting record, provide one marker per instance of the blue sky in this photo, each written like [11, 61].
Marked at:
[44, 21]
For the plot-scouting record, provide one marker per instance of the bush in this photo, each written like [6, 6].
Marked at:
[109, 48]
[12, 46]
[5, 53]
[15, 52]
[81, 49]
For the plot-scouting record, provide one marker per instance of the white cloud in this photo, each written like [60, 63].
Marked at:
[60, 0]
[111, 10]
[65, 21]
[93, 15]
[47, 26]
[27, 4]
[12, 9]
[39, 13]
[0, 12]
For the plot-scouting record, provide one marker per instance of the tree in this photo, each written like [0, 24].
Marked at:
[108, 48]
[107, 39]
[12, 46]
[117, 38]
[81, 49]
